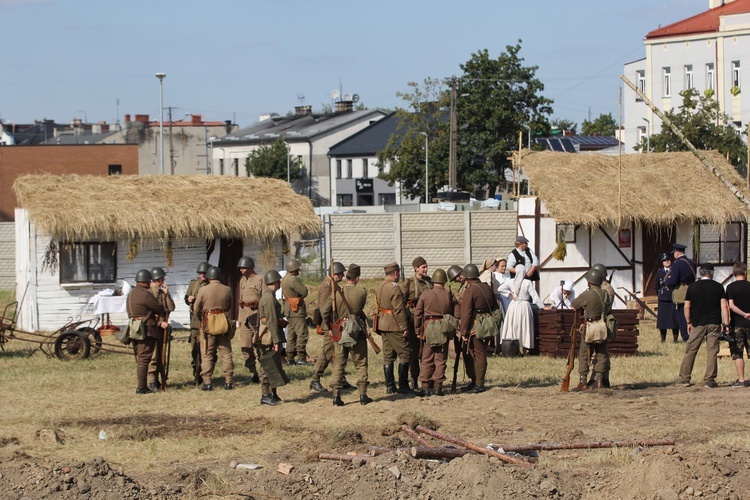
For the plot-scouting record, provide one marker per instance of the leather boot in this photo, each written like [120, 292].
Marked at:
[425, 391]
[598, 384]
[364, 399]
[275, 396]
[390, 380]
[403, 379]
[439, 389]
[267, 399]
[605, 382]
[337, 399]
[468, 387]
[582, 385]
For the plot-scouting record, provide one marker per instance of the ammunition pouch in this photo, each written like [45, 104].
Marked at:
[295, 303]
[215, 322]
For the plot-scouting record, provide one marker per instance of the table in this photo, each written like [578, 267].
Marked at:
[103, 305]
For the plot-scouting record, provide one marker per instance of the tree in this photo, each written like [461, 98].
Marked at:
[564, 124]
[404, 154]
[498, 97]
[271, 161]
[700, 119]
[603, 125]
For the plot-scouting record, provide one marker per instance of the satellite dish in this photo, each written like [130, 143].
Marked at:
[347, 97]
[355, 98]
[335, 94]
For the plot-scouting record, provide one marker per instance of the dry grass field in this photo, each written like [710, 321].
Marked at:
[179, 443]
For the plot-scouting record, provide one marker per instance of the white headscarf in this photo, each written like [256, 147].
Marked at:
[518, 280]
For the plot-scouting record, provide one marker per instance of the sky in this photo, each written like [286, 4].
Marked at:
[238, 59]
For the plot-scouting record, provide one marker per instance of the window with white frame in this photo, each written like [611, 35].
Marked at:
[88, 262]
[365, 169]
[689, 82]
[710, 76]
[640, 76]
[736, 75]
[721, 245]
[667, 74]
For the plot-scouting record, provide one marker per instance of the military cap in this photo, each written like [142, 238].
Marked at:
[419, 261]
[679, 247]
[390, 267]
[353, 272]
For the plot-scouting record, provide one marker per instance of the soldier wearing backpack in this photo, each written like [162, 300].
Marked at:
[596, 304]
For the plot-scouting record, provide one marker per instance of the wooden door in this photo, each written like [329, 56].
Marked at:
[655, 241]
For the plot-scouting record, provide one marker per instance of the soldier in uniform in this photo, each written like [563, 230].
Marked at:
[353, 307]
[326, 312]
[215, 298]
[682, 273]
[161, 292]
[271, 334]
[393, 326]
[478, 299]
[294, 294]
[456, 281]
[433, 305]
[195, 323]
[141, 304]
[595, 304]
[412, 289]
[607, 287]
[251, 288]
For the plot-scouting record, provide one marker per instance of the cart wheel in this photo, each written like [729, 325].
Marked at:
[71, 345]
[95, 338]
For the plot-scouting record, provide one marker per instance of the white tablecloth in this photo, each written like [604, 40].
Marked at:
[108, 304]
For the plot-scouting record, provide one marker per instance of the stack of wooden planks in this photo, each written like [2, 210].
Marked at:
[552, 335]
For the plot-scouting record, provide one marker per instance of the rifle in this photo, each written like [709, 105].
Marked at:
[166, 348]
[334, 327]
[459, 349]
[571, 354]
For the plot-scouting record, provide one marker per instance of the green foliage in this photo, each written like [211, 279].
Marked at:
[495, 98]
[271, 161]
[603, 125]
[564, 124]
[700, 119]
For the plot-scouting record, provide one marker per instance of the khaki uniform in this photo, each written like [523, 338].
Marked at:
[165, 299]
[195, 324]
[595, 304]
[326, 312]
[141, 303]
[297, 332]
[457, 289]
[356, 296]
[212, 297]
[478, 299]
[412, 289]
[393, 322]
[251, 289]
[607, 287]
[269, 311]
[432, 306]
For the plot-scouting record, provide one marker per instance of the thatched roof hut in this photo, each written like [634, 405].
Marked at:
[80, 207]
[658, 189]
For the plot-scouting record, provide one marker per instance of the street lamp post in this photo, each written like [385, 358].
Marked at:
[426, 169]
[648, 135]
[288, 171]
[161, 77]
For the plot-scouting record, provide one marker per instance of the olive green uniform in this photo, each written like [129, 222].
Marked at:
[251, 289]
[141, 304]
[212, 297]
[412, 289]
[356, 297]
[272, 334]
[595, 303]
[297, 333]
[165, 299]
[326, 312]
[433, 305]
[393, 322]
[195, 324]
[477, 299]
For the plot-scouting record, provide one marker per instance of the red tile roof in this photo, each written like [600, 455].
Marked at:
[705, 22]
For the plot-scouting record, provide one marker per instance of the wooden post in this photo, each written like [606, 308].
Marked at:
[416, 437]
[587, 445]
[471, 446]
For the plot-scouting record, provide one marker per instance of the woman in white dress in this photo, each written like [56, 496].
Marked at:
[519, 318]
[501, 284]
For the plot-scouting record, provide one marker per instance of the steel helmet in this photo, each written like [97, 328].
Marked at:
[292, 265]
[213, 273]
[454, 271]
[271, 277]
[439, 276]
[471, 272]
[338, 268]
[143, 276]
[594, 277]
[601, 269]
[157, 273]
[246, 262]
[203, 267]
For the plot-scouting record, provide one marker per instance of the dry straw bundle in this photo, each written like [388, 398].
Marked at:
[80, 207]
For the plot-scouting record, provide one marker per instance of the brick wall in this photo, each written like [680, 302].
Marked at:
[7, 256]
[93, 159]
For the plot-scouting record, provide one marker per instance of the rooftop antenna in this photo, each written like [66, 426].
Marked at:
[301, 99]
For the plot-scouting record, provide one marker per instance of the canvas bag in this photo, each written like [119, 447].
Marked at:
[680, 291]
[487, 325]
[597, 331]
[136, 329]
[353, 328]
[434, 334]
[216, 323]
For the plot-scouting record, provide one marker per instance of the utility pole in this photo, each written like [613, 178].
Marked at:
[453, 158]
[171, 146]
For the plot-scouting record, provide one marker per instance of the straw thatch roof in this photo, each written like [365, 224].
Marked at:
[658, 189]
[74, 207]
